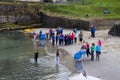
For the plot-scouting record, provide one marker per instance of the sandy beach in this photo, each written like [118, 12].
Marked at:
[108, 66]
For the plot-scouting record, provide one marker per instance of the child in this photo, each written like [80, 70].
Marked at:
[57, 56]
[83, 50]
[99, 42]
[34, 36]
[80, 36]
[36, 55]
[98, 52]
[92, 51]
[53, 39]
[88, 49]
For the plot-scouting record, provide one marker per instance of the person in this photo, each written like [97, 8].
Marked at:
[53, 39]
[57, 56]
[81, 36]
[92, 48]
[88, 49]
[83, 50]
[98, 52]
[42, 38]
[72, 37]
[75, 39]
[93, 30]
[75, 35]
[56, 38]
[75, 31]
[99, 42]
[50, 33]
[34, 36]
[36, 55]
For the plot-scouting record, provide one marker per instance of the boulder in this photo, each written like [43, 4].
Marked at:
[115, 30]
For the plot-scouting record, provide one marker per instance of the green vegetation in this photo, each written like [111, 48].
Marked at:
[94, 8]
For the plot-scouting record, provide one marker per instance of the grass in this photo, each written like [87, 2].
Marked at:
[93, 8]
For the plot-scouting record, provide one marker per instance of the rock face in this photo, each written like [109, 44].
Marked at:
[115, 30]
[55, 22]
[23, 14]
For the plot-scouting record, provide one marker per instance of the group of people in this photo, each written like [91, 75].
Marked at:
[86, 50]
[57, 37]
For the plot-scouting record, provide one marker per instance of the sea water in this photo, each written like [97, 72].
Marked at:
[17, 63]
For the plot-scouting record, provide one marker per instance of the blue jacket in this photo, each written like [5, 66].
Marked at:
[53, 38]
[42, 36]
[98, 48]
[93, 29]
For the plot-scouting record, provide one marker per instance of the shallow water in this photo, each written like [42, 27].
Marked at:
[17, 63]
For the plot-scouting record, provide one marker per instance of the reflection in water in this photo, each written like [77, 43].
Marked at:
[57, 68]
[78, 66]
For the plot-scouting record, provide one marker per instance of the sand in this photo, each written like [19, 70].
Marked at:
[108, 66]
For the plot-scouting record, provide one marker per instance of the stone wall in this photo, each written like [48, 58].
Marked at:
[115, 30]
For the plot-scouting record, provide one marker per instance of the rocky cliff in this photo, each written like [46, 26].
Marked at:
[53, 21]
[20, 13]
[115, 30]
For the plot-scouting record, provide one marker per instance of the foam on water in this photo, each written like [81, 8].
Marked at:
[81, 77]
[49, 62]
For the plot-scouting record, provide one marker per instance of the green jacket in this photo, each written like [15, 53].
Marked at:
[92, 48]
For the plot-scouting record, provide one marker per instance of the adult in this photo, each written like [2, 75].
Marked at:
[93, 30]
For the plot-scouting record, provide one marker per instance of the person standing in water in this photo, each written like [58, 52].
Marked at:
[36, 55]
[57, 56]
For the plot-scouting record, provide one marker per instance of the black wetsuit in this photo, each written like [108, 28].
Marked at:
[35, 56]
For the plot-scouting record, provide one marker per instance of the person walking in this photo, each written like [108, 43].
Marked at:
[92, 48]
[93, 30]
[98, 52]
